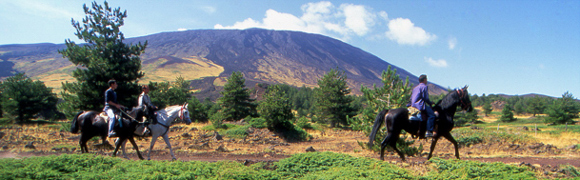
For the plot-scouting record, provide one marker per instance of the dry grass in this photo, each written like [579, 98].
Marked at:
[200, 67]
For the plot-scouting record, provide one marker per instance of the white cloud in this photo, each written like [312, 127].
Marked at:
[182, 29]
[436, 63]
[319, 17]
[358, 18]
[403, 31]
[208, 9]
[452, 42]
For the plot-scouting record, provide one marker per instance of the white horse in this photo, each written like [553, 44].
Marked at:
[164, 119]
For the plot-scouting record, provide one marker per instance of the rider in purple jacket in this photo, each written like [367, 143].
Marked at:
[420, 100]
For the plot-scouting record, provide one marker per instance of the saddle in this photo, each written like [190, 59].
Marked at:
[416, 120]
[106, 118]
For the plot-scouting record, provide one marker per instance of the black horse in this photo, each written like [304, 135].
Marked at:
[398, 119]
[91, 124]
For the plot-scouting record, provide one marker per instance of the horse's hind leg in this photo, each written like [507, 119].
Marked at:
[83, 143]
[391, 140]
[166, 138]
[433, 143]
[153, 139]
[135, 146]
[449, 137]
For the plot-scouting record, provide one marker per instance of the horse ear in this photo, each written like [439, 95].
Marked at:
[466, 86]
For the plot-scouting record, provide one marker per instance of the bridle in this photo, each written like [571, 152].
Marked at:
[462, 95]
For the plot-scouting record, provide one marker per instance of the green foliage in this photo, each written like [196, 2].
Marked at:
[315, 165]
[457, 169]
[468, 137]
[276, 109]
[256, 122]
[333, 104]
[461, 118]
[295, 133]
[507, 115]
[302, 99]
[165, 94]
[235, 102]
[394, 93]
[304, 123]
[198, 111]
[236, 131]
[487, 109]
[103, 57]
[563, 110]
[328, 165]
[536, 105]
[217, 120]
[23, 98]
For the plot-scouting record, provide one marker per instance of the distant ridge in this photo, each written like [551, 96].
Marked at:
[263, 56]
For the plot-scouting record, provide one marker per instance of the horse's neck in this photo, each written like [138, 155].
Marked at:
[168, 114]
[449, 104]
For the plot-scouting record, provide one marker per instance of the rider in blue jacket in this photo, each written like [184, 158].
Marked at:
[420, 100]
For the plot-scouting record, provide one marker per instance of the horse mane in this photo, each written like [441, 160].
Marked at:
[448, 101]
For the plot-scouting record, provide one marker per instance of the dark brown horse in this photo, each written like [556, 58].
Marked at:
[397, 120]
[91, 124]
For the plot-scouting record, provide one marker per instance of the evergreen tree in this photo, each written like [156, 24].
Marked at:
[103, 57]
[394, 93]
[487, 109]
[165, 94]
[506, 114]
[276, 109]
[23, 98]
[536, 105]
[235, 102]
[563, 110]
[332, 100]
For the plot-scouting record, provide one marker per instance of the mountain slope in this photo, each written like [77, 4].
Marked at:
[263, 56]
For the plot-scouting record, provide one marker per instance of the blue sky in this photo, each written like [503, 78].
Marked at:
[510, 47]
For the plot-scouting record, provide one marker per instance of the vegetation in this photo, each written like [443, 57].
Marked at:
[23, 98]
[103, 57]
[507, 115]
[276, 109]
[165, 94]
[563, 110]
[235, 102]
[318, 165]
[333, 102]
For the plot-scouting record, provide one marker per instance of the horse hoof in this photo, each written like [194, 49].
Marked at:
[173, 159]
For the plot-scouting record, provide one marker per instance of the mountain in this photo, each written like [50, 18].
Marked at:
[208, 57]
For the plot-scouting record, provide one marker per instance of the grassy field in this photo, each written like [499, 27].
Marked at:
[338, 156]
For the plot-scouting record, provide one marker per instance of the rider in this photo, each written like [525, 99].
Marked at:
[145, 103]
[420, 100]
[111, 105]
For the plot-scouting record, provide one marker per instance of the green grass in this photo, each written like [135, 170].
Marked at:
[317, 165]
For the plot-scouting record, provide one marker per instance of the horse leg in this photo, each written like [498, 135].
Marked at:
[134, 146]
[433, 143]
[391, 140]
[83, 143]
[449, 137]
[166, 138]
[117, 145]
[154, 137]
[123, 149]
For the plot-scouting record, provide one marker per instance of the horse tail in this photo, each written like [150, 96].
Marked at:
[376, 126]
[74, 128]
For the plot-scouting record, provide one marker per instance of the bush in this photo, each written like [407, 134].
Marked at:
[458, 169]
[256, 122]
[303, 123]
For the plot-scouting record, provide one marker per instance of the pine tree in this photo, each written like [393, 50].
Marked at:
[332, 100]
[487, 109]
[23, 98]
[563, 110]
[506, 114]
[235, 102]
[103, 57]
[276, 109]
[536, 105]
[165, 94]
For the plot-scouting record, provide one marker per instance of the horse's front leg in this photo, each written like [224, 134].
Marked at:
[154, 137]
[433, 143]
[449, 137]
[123, 144]
[134, 146]
[118, 143]
[166, 138]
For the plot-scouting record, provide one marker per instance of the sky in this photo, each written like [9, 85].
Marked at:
[496, 47]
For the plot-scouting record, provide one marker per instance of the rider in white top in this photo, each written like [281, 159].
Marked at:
[145, 102]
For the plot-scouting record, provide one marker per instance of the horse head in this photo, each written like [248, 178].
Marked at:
[464, 99]
[184, 114]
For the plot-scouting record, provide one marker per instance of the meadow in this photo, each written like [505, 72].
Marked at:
[524, 149]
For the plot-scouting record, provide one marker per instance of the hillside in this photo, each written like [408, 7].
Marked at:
[263, 56]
